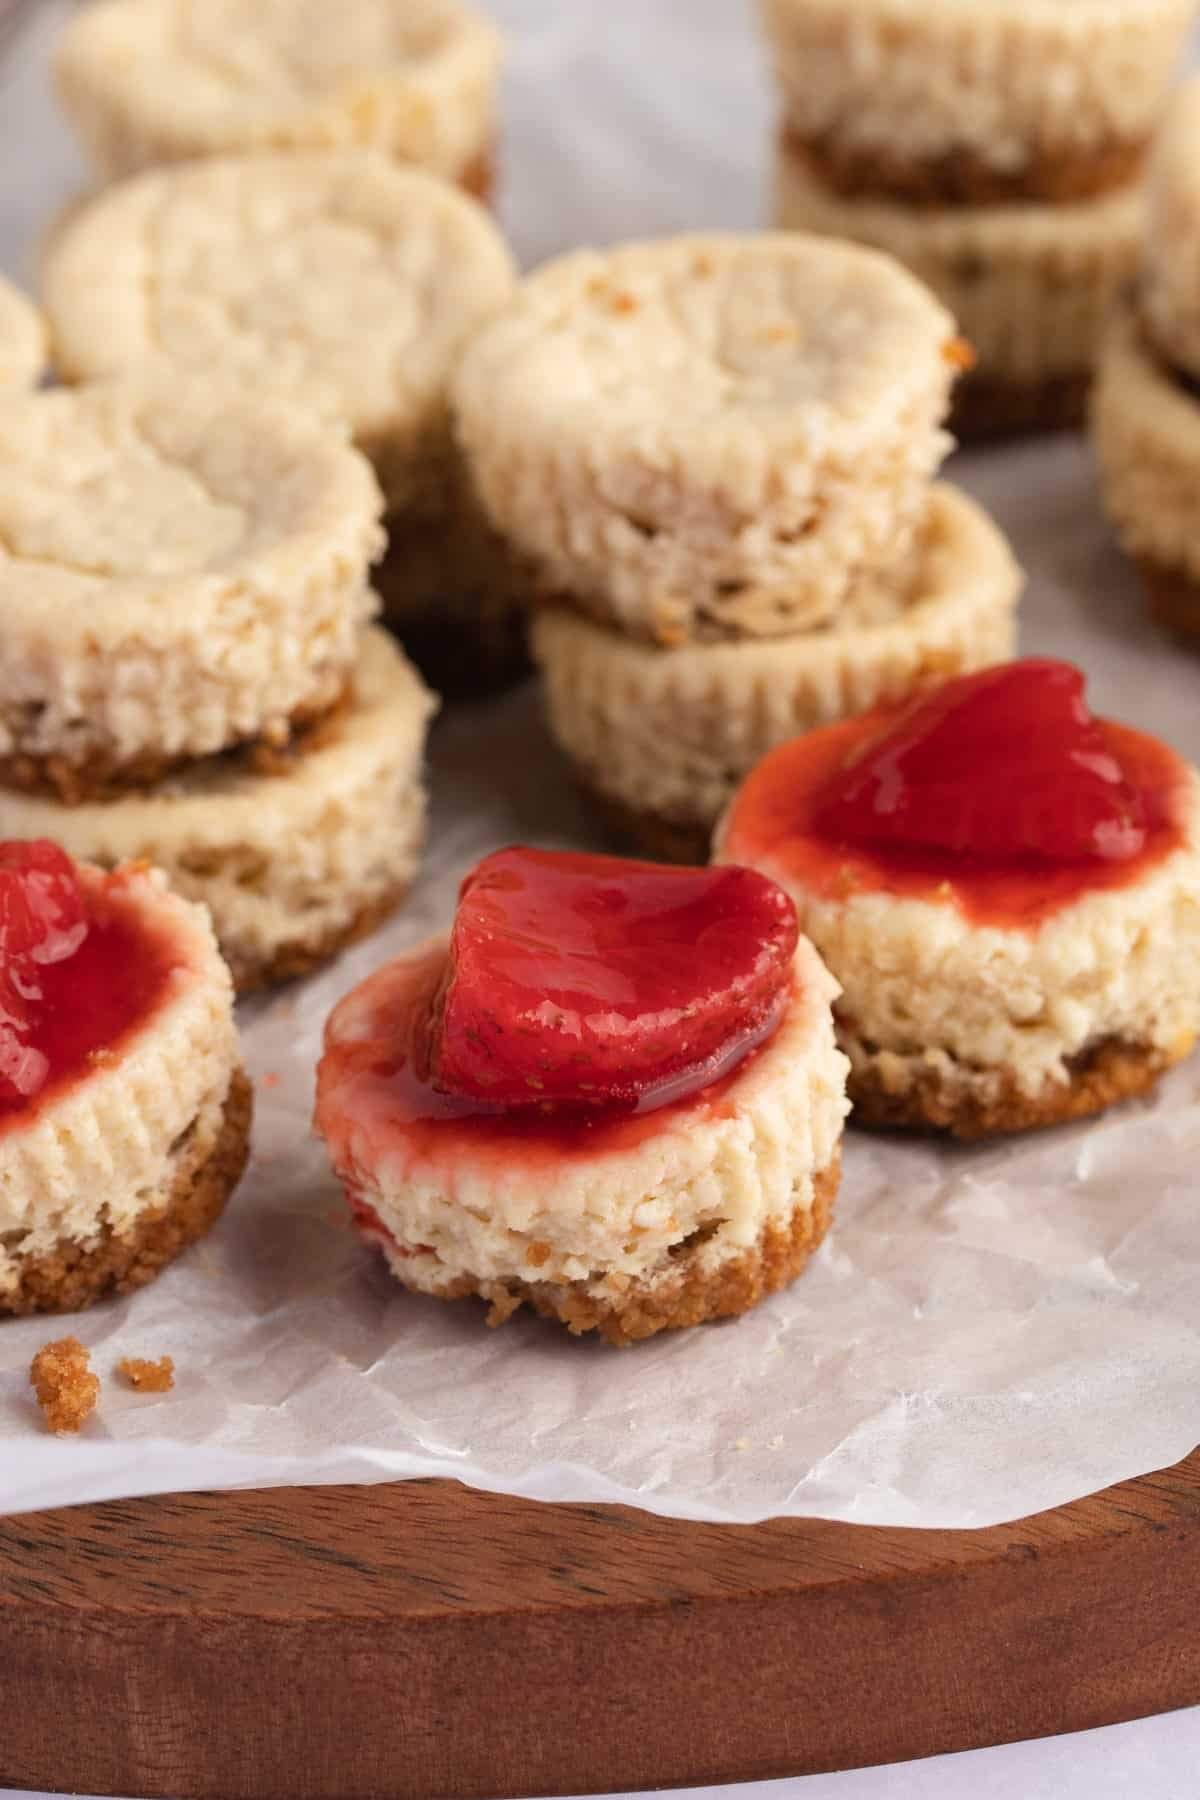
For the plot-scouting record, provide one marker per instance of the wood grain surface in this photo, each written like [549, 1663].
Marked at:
[422, 1640]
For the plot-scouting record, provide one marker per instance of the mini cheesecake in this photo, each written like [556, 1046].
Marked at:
[1007, 889]
[958, 103]
[611, 1094]
[163, 81]
[710, 438]
[183, 569]
[124, 1111]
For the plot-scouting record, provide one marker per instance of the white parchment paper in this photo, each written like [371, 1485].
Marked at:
[985, 1333]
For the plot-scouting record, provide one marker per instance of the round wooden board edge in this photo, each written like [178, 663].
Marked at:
[424, 1640]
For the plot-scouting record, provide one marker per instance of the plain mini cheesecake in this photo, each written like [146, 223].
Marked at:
[1007, 889]
[183, 570]
[124, 1110]
[710, 438]
[612, 1094]
[975, 102]
[158, 81]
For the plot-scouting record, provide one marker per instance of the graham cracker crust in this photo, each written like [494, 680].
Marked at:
[990, 407]
[103, 777]
[655, 837]
[1102, 1077]
[292, 961]
[67, 1391]
[480, 176]
[1055, 175]
[1172, 596]
[71, 1276]
[690, 1295]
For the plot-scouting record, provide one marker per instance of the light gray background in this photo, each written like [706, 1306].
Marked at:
[716, 75]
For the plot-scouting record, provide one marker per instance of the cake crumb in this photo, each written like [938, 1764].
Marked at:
[66, 1389]
[149, 1377]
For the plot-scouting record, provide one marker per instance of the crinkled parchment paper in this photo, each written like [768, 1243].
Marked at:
[985, 1333]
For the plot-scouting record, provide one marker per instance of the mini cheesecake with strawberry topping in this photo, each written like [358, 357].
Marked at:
[124, 1112]
[1007, 889]
[612, 1094]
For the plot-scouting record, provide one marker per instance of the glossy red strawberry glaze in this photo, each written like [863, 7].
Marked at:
[1006, 767]
[372, 1107]
[777, 822]
[81, 971]
[579, 982]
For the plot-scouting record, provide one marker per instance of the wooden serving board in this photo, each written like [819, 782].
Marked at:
[422, 1640]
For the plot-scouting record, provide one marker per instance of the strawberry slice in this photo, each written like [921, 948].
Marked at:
[578, 981]
[42, 917]
[42, 921]
[1008, 766]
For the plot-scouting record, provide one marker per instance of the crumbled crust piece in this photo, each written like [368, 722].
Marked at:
[66, 1389]
[147, 1376]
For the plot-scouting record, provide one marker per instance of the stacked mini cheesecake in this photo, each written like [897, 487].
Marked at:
[346, 283]
[716, 457]
[995, 148]
[1147, 411]
[190, 679]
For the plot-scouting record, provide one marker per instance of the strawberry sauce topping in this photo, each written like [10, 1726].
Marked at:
[999, 793]
[580, 981]
[79, 973]
[581, 998]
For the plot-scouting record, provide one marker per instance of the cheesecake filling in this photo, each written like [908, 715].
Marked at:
[607, 1206]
